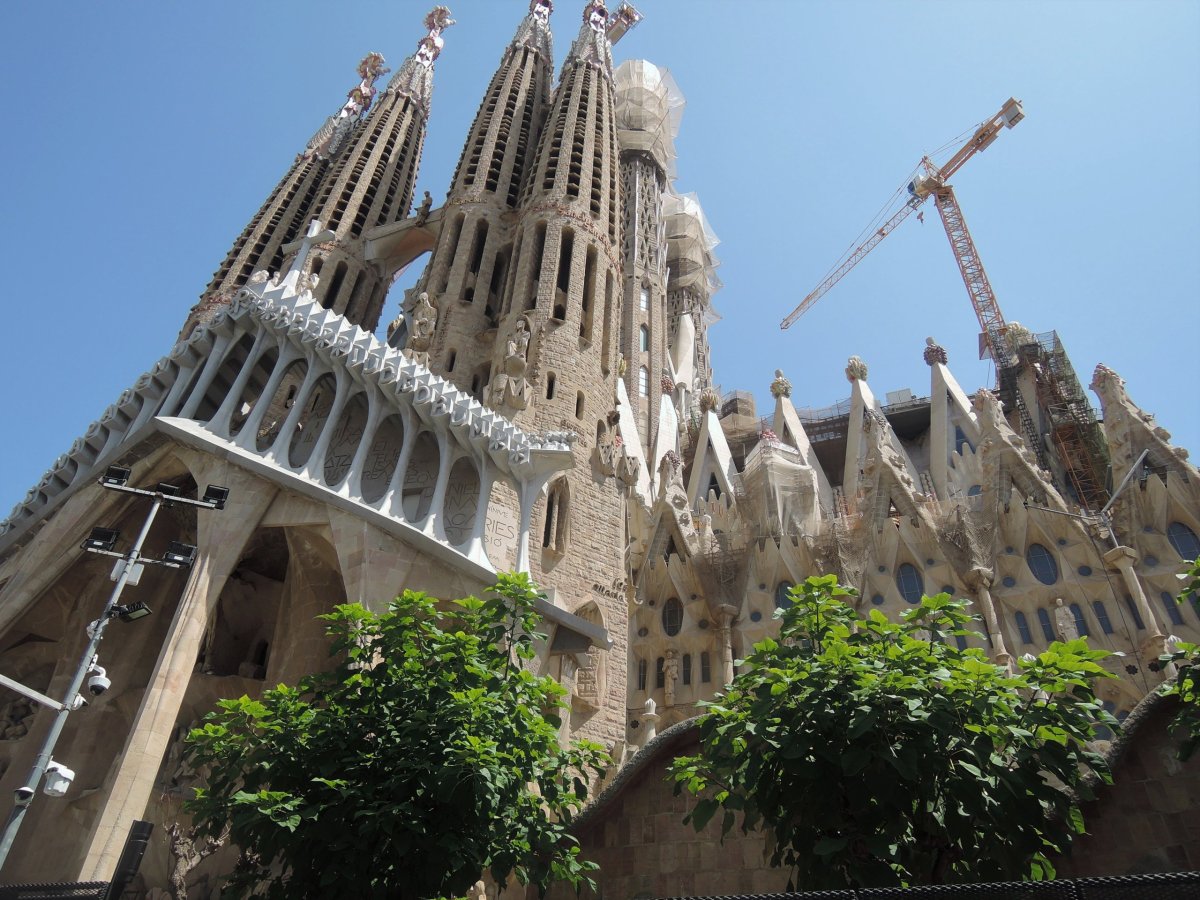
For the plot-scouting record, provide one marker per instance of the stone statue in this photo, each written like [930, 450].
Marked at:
[671, 675]
[509, 387]
[424, 208]
[424, 320]
[1064, 622]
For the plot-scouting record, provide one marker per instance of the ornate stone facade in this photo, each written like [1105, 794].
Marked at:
[544, 401]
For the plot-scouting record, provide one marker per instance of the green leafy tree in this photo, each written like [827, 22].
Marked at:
[877, 756]
[1186, 659]
[428, 754]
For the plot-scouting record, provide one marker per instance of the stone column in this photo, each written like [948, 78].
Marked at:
[725, 617]
[980, 581]
[221, 536]
[1122, 559]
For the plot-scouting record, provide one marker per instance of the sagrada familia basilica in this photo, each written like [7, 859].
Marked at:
[543, 400]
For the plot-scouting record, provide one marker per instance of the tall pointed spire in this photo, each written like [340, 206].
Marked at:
[371, 182]
[470, 266]
[288, 209]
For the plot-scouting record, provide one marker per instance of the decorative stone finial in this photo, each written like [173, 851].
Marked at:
[768, 436]
[592, 46]
[534, 30]
[415, 77]
[856, 369]
[709, 400]
[329, 137]
[780, 387]
[934, 352]
[667, 383]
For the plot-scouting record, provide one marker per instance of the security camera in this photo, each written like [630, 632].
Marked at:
[58, 780]
[23, 795]
[99, 682]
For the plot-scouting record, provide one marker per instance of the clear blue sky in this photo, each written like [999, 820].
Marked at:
[141, 137]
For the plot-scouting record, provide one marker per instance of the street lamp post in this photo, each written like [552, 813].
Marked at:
[128, 571]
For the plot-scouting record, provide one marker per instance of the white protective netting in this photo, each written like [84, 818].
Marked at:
[690, 244]
[649, 109]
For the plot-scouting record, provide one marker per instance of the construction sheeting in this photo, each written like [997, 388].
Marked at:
[649, 109]
[690, 244]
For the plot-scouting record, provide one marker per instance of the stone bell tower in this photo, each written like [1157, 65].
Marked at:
[371, 184]
[468, 272]
[287, 211]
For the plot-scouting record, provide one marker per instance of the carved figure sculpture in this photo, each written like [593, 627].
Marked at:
[509, 387]
[424, 320]
[671, 675]
[424, 208]
[1064, 622]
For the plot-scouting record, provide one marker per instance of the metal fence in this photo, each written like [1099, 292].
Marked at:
[84, 890]
[1164, 886]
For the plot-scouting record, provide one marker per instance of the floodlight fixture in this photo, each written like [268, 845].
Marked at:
[115, 476]
[180, 554]
[168, 490]
[215, 495]
[101, 540]
[131, 612]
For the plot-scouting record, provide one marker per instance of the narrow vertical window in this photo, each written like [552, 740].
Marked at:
[642, 667]
[644, 338]
[1172, 609]
[1023, 628]
[705, 668]
[660, 673]
[1133, 611]
[1047, 627]
[644, 381]
[1102, 616]
[1080, 622]
[687, 668]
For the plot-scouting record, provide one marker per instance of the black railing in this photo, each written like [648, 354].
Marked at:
[1163, 886]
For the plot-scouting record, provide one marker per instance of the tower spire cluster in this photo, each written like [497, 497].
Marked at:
[544, 402]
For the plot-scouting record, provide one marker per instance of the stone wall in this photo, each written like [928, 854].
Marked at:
[635, 832]
[1148, 820]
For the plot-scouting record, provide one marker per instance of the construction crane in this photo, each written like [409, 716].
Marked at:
[1073, 425]
[931, 181]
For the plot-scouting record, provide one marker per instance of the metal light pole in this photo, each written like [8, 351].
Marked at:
[128, 571]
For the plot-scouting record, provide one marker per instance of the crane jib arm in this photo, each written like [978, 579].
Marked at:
[934, 182]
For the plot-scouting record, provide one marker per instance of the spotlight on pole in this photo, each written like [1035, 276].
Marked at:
[115, 476]
[131, 612]
[215, 495]
[180, 554]
[101, 540]
[168, 490]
